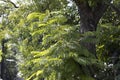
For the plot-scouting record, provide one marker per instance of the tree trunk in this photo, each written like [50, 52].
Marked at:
[5, 74]
[87, 23]
[3, 60]
[89, 18]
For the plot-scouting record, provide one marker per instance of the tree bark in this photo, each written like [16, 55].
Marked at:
[5, 74]
[3, 60]
[89, 18]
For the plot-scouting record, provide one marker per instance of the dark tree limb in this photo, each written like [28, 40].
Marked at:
[9, 1]
[100, 9]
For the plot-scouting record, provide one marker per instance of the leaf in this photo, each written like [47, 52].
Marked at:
[38, 32]
[39, 72]
[51, 21]
[82, 61]
[39, 54]
[29, 78]
[89, 33]
[33, 16]
[42, 25]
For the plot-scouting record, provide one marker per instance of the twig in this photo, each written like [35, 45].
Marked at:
[11, 3]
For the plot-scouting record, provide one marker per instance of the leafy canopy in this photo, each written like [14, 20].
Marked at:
[60, 48]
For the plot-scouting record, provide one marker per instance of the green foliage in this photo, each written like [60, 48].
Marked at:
[108, 39]
[51, 5]
[45, 35]
[107, 47]
[60, 54]
[111, 17]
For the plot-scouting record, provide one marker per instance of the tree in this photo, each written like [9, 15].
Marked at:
[90, 12]
[53, 43]
[44, 36]
[8, 70]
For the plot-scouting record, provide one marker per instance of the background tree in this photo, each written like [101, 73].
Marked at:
[8, 64]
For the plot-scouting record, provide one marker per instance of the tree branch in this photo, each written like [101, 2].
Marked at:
[100, 9]
[11, 3]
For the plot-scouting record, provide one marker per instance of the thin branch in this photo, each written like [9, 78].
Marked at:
[11, 3]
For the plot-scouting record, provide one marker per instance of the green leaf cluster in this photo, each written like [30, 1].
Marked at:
[59, 55]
